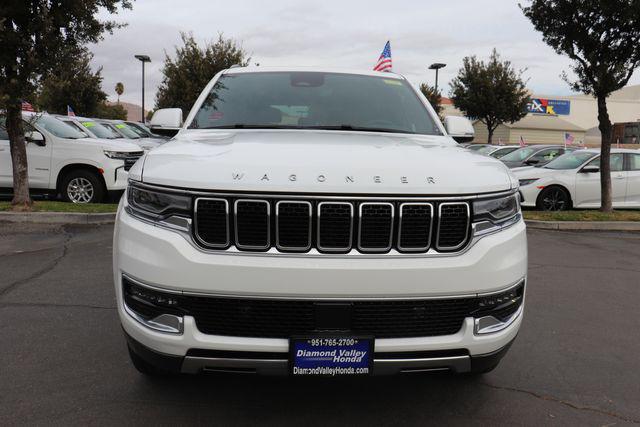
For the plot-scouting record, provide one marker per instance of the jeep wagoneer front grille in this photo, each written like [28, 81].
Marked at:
[331, 225]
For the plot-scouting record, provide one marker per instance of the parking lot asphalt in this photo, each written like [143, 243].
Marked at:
[63, 358]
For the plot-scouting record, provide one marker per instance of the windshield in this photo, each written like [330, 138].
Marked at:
[56, 127]
[474, 147]
[486, 149]
[518, 155]
[100, 131]
[309, 100]
[571, 160]
[501, 152]
[123, 129]
[139, 129]
[76, 127]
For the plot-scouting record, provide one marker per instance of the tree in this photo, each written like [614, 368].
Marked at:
[72, 83]
[602, 38]
[192, 68]
[34, 34]
[432, 96]
[119, 90]
[492, 92]
[111, 111]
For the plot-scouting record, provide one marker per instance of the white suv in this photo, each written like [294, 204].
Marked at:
[63, 160]
[318, 223]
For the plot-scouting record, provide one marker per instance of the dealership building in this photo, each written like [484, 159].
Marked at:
[550, 117]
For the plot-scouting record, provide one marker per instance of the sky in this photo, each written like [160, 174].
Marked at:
[346, 34]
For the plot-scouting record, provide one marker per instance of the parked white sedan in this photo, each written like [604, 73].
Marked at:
[573, 180]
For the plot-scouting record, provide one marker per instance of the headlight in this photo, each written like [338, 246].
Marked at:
[496, 210]
[117, 154]
[157, 203]
[524, 182]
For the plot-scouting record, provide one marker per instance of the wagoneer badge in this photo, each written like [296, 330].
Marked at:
[377, 179]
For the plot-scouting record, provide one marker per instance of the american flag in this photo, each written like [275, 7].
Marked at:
[70, 111]
[27, 107]
[523, 143]
[568, 138]
[384, 62]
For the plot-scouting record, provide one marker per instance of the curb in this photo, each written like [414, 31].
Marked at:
[58, 217]
[584, 225]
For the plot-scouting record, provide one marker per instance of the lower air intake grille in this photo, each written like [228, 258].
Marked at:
[272, 318]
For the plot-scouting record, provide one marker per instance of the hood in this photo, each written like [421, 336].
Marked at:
[322, 162]
[146, 143]
[111, 144]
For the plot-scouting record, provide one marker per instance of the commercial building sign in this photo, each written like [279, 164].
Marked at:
[552, 107]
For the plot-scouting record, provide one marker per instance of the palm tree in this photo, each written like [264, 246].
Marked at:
[119, 90]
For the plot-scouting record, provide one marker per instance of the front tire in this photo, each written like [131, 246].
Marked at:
[554, 199]
[82, 186]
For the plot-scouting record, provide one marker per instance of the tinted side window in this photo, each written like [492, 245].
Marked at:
[616, 162]
[634, 163]
[548, 155]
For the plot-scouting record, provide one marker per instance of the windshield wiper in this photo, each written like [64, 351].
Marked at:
[339, 127]
[245, 126]
[358, 128]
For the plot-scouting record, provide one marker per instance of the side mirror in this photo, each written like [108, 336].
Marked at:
[459, 128]
[35, 137]
[590, 169]
[532, 162]
[166, 121]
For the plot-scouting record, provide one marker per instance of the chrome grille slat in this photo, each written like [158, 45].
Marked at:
[415, 227]
[212, 222]
[293, 225]
[375, 227]
[334, 226]
[252, 224]
[453, 225]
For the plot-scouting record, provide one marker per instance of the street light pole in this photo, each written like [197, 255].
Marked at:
[143, 59]
[436, 66]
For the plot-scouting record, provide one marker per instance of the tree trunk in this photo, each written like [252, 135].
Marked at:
[21, 200]
[604, 124]
[490, 131]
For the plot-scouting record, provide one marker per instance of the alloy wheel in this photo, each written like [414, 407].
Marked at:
[555, 199]
[80, 190]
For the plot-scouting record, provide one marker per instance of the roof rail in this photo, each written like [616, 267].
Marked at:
[236, 66]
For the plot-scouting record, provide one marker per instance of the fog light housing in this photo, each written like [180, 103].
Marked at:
[155, 309]
[497, 311]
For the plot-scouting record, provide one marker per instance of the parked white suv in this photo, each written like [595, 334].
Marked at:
[63, 160]
[318, 223]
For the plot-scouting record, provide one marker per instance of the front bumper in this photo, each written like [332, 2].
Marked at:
[529, 195]
[202, 361]
[169, 261]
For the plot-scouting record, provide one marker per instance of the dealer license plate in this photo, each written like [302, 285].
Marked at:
[333, 356]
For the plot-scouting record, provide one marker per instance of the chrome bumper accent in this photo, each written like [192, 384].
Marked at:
[167, 323]
[195, 365]
[489, 324]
